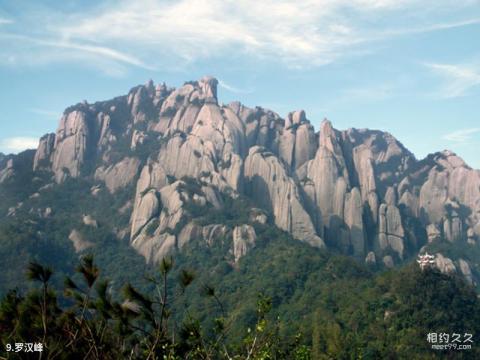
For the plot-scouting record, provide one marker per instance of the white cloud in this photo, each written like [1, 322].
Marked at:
[459, 79]
[233, 89]
[50, 51]
[4, 21]
[461, 136]
[18, 144]
[151, 33]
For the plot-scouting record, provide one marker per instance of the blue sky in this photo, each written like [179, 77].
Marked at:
[409, 67]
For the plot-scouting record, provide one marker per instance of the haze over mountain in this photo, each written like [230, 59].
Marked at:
[176, 154]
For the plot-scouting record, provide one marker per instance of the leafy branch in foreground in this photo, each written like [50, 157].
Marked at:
[93, 323]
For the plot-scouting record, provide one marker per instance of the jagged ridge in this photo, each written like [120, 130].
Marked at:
[352, 190]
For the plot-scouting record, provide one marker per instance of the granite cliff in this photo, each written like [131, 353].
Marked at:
[358, 191]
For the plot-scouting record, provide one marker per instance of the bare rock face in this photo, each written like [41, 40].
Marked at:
[138, 138]
[190, 232]
[269, 183]
[328, 174]
[244, 238]
[208, 85]
[71, 145]
[152, 176]
[262, 127]
[434, 194]
[173, 200]
[186, 156]
[444, 264]
[106, 136]
[329, 185]
[471, 237]
[354, 219]
[453, 229]
[214, 232]
[147, 207]
[465, 270]
[155, 248]
[390, 229]
[433, 233]
[363, 162]
[151, 234]
[119, 175]
[140, 101]
[7, 172]
[214, 146]
[297, 143]
[450, 185]
[358, 190]
[44, 152]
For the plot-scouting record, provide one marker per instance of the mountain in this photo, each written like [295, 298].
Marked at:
[179, 155]
[323, 227]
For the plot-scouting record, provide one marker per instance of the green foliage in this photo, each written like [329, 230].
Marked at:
[234, 212]
[139, 326]
[313, 304]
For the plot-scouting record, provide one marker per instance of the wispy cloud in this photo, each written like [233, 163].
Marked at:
[4, 21]
[55, 50]
[298, 33]
[429, 28]
[18, 144]
[233, 89]
[458, 79]
[461, 136]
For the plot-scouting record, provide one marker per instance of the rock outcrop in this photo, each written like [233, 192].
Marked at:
[79, 242]
[359, 191]
[44, 152]
[119, 175]
[71, 145]
[244, 238]
[270, 185]
[7, 172]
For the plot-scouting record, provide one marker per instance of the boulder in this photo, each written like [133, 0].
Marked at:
[388, 262]
[444, 264]
[244, 238]
[258, 216]
[371, 259]
[88, 220]
[119, 175]
[78, 241]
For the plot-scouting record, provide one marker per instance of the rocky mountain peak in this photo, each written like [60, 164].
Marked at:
[328, 137]
[359, 190]
[208, 84]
